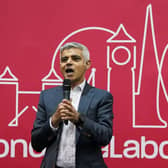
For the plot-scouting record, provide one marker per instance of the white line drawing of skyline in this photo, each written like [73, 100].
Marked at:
[58, 80]
[11, 77]
[149, 17]
[129, 38]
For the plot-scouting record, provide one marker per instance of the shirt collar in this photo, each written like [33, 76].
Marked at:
[80, 86]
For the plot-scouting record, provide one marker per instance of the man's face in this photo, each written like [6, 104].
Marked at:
[73, 65]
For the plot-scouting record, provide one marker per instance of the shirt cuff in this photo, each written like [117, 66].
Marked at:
[53, 128]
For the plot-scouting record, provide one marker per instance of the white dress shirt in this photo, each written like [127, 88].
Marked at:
[67, 146]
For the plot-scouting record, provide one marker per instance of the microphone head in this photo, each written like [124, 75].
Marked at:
[67, 84]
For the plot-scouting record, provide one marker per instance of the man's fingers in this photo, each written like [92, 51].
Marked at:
[66, 114]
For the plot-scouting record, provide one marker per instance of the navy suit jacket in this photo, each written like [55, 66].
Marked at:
[96, 107]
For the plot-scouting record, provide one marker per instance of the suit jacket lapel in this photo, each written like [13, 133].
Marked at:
[84, 103]
[55, 98]
[85, 99]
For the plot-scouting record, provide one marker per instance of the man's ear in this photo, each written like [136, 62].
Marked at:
[88, 64]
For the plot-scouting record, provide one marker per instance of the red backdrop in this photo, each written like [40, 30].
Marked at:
[128, 46]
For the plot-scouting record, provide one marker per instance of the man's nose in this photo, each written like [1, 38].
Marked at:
[69, 61]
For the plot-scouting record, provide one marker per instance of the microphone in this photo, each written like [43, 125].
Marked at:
[66, 92]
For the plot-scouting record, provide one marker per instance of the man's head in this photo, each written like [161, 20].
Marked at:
[74, 61]
[84, 49]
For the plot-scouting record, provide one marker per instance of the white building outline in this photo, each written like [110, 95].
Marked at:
[135, 92]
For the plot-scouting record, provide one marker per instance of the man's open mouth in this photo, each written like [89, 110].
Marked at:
[69, 70]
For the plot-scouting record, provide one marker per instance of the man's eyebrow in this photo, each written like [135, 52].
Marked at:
[75, 56]
[71, 55]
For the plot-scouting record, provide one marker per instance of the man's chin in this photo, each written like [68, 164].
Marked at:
[69, 77]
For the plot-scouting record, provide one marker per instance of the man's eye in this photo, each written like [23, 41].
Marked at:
[76, 58]
[64, 59]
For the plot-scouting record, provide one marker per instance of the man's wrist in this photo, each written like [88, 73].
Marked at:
[51, 125]
[80, 121]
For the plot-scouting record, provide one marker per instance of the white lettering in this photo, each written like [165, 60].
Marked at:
[6, 148]
[134, 150]
[112, 150]
[105, 151]
[144, 145]
[161, 149]
[13, 147]
[141, 149]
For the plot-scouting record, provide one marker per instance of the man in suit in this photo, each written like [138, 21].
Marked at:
[89, 114]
